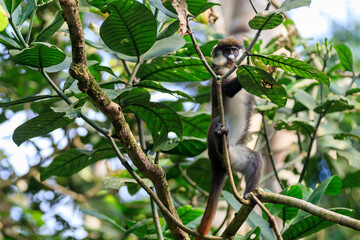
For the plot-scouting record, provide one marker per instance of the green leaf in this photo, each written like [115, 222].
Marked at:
[351, 180]
[295, 66]
[195, 7]
[117, 183]
[7, 102]
[169, 31]
[260, 83]
[102, 217]
[4, 22]
[158, 87]
[352, 91]
[69, 110]
[39, 126]
[291, 212]
[311, 224]
[188, 214]
[40, 55]
[139, 228]
[47, 32]
[188, 147]
[28, 9]
[73, 160]
[174, 69]
[331, 186]
[291, 4]
[343, 136]
[250, 235]
[194, 124]
[295, 124]
[114, 93]
[305, 99]
[158, 4]
[200, 172]
[159, 118]
[9, 42]
[345, 56]
[265, 21]
[11, 5]
[334, 103]
[43, 2]
[165, 46]
[130, 29]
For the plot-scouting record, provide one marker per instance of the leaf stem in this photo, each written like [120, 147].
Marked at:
[252, 5]
[18, 33]
[136, 68]
[270, 153]
[69, 102]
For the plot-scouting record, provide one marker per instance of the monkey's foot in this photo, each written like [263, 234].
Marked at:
[220, 130]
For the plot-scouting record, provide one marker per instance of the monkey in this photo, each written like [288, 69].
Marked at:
[238, 108]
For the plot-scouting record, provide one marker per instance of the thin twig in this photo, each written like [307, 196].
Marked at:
[352, 82]
[18, 33]
[252, 5]
[268, 147]
[136, 68]
[126, 67]
[154, 211]
[191, 182]
[271, 218]
[199, 52]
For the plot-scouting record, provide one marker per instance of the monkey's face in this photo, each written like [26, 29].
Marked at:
[226, 56]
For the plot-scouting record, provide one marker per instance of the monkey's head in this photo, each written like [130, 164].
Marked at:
[227, 52]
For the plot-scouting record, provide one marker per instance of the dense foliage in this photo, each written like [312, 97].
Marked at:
[308, 91]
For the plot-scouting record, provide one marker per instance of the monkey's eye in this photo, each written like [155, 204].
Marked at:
[227, 52]
[235, 51]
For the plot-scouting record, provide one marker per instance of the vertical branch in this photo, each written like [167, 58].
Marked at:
[270, 152]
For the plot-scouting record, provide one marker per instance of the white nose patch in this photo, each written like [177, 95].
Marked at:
[231, 56]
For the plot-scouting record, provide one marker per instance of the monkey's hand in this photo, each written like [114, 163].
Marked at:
[220, 129]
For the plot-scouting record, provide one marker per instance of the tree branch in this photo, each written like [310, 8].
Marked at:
[87, 84]
[308, 207]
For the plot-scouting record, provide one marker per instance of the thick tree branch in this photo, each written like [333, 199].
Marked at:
[308, 207]
[87, 84]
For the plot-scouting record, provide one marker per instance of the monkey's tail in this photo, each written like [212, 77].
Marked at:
[217, 183]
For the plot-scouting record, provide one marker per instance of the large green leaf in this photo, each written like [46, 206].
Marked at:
[311, 224]
[158, 87]
[188, 214]
[130, 29]
[39, 126]
[159, 118]
[295, 124]
[7, 102]
[296, 66]
[194, 124]
[174, 69]
[47, 32]
[352, 180]
[118, 182]
[345, 56]
[266, 20]
[334, 103]
[40, 55]
[260, 83]
[305, 99]
[289, 213]
[27, 10]
[189, 147]
[73, 160]
[165, 46]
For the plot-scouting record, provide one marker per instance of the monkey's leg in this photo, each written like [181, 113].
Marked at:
[249, 163]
